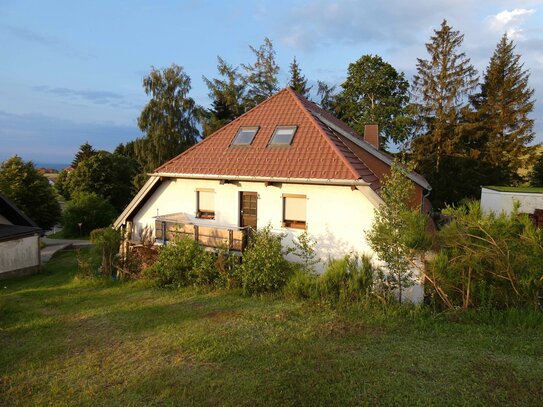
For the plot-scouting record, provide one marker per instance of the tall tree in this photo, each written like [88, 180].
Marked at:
[327, 96]
[536, 175]
[374, 92]
[502, 108]
[168, 119]
[30, 191]
[85, 151]
[261, 76]
[398, 233]
[227, 94]
[441, 88]
[297, 80]
[108, 175]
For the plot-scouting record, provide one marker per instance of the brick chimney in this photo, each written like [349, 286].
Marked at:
[371, 134]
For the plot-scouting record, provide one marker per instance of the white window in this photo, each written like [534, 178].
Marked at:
[283, 136]
[294, 211]
[245, 136]
[205, 203]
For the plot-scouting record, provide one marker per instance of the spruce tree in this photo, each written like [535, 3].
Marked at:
[227, 94]
[536, 175]
[441, 88]
[85, 151]
[297, 80]
[261, 76]
[501, 114]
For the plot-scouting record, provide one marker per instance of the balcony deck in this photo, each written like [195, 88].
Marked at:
[169, 227]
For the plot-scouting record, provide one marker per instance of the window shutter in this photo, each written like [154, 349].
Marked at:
[295, 208]
[207, 201]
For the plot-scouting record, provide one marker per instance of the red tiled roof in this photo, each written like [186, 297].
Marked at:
[316, 152]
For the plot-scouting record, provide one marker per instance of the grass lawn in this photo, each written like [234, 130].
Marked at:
[71, 341]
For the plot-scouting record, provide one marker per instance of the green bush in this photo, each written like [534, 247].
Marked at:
[487, 261]
[228, 267]
[181, 263]
[264, 269]
[107, 241]
[89, 209]
[347, 280]
[303, 285]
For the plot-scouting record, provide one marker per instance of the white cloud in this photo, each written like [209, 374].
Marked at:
[510, 21]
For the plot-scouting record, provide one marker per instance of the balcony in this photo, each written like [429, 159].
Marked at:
[177, 225]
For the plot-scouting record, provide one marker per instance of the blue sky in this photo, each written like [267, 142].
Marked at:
[72, 71]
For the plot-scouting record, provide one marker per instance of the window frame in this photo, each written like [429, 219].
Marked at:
[242, 129]
[283, 127]
[206, 213]
[293, 223]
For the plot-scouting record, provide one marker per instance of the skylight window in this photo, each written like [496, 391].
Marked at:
[245, 136]
[283, 136]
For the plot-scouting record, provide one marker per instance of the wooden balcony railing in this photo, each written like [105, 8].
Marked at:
[169, 227]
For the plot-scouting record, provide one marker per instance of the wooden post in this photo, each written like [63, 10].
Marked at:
[196, 234]
[230, 239]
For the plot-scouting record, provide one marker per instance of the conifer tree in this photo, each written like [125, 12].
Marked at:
[85, 151]
[298, 81]
[227, 94]
[441, 88]
[261, 76]
[502, 108]
[536, 175]
[328, 96]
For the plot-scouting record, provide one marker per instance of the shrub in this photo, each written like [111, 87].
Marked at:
[181, 263]
[304, 248]
[346, 280]
[264, 269]
[302, 286]
[487, 260]
[107, 241]
[88, 209]
[228, 268]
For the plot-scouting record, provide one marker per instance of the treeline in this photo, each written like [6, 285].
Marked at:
[460, 129]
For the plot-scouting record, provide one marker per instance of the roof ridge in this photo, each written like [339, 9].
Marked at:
[313, 120]
[220, 130]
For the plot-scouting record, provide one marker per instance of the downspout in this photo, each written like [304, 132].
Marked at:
[423, 197]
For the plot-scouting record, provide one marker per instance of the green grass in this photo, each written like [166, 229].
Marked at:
[517, 189]
[66, 340]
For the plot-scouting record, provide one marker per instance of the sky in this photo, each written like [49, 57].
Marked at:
[72, 71]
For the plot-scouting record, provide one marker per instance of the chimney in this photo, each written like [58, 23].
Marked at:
[371, 134]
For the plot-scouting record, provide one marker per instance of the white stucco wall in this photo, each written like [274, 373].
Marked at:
[337, 216]
[498, 201]
[19, 254]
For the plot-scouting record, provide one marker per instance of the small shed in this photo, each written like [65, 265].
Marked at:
[502, 199]
[19, 242]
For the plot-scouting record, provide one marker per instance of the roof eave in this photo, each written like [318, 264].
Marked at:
[286, 180]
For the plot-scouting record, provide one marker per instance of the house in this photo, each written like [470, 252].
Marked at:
[287, 163]
[502, 199]
[19, 242]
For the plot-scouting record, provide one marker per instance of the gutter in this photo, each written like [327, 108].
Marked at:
[313, 181]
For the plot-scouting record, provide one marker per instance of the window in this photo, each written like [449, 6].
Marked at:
[245, 136]
[283, 136]
[205, 203]
[294, 211]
